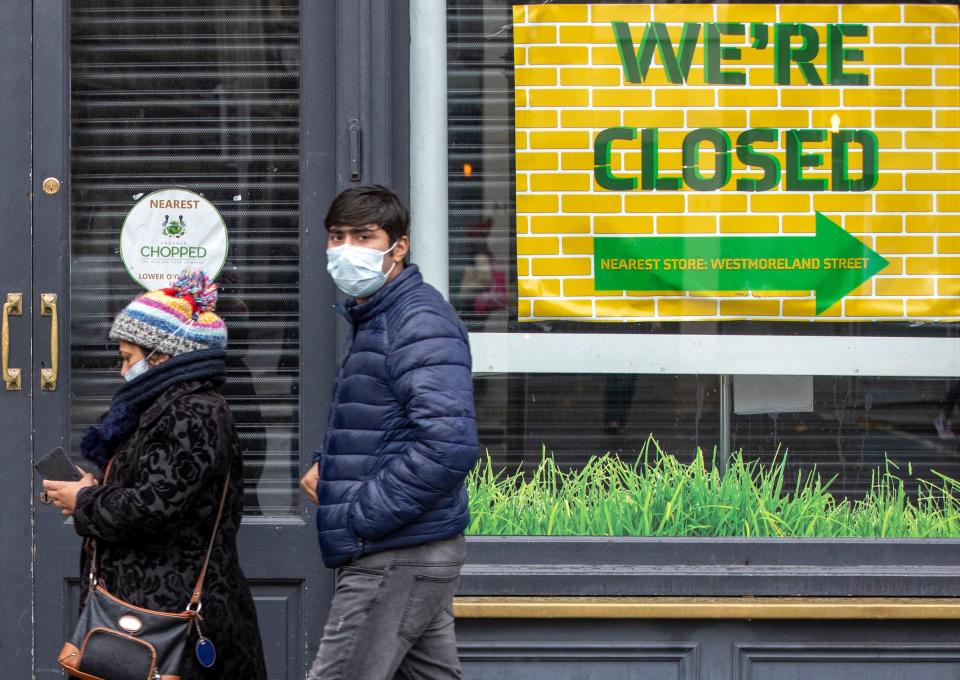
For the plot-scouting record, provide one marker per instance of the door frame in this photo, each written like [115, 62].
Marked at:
[56, 546]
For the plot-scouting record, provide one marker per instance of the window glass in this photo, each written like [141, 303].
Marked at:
[573, 87]
[574, 417]
[483, 272]
[853, 434]
[205, 97]
[639, 455]
[857, 427]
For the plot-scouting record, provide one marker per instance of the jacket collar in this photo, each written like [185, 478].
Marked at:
[168, 396]
[358, 312]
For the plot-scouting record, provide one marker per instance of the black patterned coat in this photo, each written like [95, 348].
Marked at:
[154, 517]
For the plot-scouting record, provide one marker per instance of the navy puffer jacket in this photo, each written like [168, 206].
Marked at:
[402, 433]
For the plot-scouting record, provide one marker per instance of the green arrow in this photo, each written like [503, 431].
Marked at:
[832, 263]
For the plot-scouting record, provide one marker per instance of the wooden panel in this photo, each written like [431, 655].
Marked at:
[579, 661]
[843, 662]
[279, 613]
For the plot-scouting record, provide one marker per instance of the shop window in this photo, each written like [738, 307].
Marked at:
[853, 430]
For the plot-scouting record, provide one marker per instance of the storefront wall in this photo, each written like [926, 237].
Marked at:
[702, 650]
[709, 608]
[569, 370]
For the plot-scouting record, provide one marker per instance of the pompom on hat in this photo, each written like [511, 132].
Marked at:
[174, 320]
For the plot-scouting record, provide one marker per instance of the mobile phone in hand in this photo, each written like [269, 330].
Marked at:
[57, 467]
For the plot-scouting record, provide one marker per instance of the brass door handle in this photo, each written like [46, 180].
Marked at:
[48, 376]
[14, 306]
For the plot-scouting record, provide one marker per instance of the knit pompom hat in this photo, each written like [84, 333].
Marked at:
[174, 320]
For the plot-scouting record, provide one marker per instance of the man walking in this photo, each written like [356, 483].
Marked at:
[400, 440]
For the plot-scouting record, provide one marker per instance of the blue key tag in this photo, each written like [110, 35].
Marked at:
[206, 652]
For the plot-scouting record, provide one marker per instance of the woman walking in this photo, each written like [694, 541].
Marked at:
[168, 445]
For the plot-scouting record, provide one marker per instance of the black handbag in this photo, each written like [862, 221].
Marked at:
[116, 640]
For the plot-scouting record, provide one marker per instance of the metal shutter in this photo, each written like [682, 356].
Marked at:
[203, 95]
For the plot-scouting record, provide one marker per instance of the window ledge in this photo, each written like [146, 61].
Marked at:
[537, 566]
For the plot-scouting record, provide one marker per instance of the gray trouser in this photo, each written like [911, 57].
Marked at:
[392, 616]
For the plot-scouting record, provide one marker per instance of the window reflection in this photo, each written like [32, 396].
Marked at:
[856, 427]
[574, 417]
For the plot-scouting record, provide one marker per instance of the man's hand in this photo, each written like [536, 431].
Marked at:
[309, 483]
[64, 494]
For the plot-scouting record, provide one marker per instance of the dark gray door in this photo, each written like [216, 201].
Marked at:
[230, 100]
[16, 295]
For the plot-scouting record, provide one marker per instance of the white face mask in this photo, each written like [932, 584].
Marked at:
[138, 368]
[356, 270]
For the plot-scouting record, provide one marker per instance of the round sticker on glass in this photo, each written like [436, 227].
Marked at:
[168, 231]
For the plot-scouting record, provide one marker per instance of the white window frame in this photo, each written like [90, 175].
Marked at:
[714, 354]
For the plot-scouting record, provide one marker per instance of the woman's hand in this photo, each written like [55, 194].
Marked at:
[309, 483]
[64, 494]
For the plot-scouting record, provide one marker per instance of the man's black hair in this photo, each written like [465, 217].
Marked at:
[373, 204]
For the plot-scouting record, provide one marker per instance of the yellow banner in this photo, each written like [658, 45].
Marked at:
[711, 137]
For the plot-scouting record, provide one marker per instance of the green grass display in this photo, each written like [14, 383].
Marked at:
[658, 495]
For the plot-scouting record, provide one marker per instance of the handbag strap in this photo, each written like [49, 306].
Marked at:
[194, 605]
[92, 542]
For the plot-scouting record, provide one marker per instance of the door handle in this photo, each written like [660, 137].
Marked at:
[48, 376]
[14, 306]
[356, 150]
